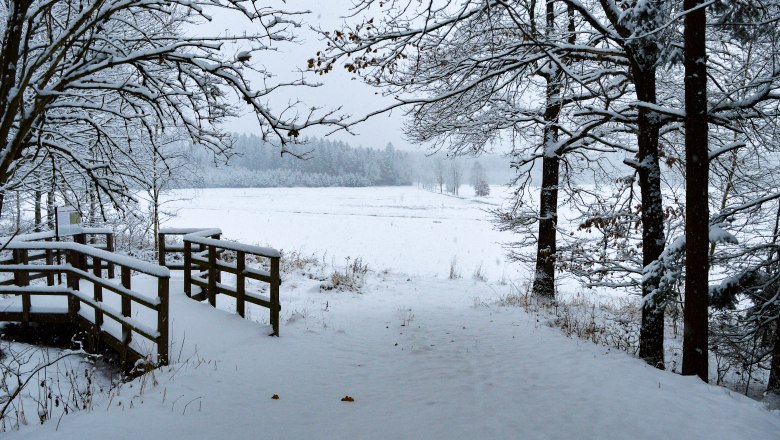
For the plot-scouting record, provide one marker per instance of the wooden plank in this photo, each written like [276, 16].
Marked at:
[35, 290]
[126, 321]
[122, 291]
[44, 318]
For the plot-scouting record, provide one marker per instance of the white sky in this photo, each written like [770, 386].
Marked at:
[338, 88]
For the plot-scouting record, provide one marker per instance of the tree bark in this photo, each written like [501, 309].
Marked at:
[38, 211]
[773, 387]
[695, 335]
[544, 275]
[651, 336]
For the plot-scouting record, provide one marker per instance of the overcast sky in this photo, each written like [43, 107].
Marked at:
[338, 88]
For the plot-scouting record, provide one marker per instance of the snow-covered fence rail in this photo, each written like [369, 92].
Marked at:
[87, 263]
[99, 238]
[204, 263]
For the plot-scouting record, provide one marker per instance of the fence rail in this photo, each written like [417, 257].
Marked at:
[87, 263]
[203, 263]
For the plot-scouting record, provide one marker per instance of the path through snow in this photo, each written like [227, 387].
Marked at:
[424, 358]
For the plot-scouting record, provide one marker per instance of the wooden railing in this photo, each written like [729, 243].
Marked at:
[87, 263]
[204, 262]
[99, 238]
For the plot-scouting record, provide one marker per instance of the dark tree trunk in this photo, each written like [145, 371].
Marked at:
[38, 212]
[9, 63]
[651, 336]
[773, 386]
[50, 199]
[695, 337]
[544, 275]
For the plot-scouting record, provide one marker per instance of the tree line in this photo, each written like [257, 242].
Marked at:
[315, 163]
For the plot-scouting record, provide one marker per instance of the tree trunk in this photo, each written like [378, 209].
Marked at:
[38, 212]
[651, 336]
[544, 275]
[695, 337]
[50, 200]
[773, 387]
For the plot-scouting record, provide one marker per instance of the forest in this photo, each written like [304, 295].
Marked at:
[315, 163]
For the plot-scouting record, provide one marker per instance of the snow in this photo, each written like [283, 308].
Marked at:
[423, 356]
[402, 228]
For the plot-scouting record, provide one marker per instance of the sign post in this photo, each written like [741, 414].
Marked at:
[68, 221]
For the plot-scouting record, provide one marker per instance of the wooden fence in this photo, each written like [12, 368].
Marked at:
[204, 259]
[87, 263]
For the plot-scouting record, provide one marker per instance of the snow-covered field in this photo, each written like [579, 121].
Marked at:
[403, 228]
[423, 356]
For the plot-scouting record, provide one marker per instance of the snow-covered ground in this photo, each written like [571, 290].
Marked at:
[404, 228]
[423, 356]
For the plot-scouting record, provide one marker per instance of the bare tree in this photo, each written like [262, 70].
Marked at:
[439, 172]
[73, 73]
[455, 176]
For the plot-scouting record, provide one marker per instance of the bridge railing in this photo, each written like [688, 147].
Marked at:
[99, 238]
[205, 258]
[86, 263]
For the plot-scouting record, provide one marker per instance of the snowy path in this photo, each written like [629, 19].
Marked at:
[416, 369]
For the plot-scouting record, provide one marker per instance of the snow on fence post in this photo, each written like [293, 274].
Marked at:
[162, 321]
[127, 334]
[275, 305]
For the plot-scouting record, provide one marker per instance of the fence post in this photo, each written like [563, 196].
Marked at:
[240, 280]
[97, 269]
[275, 305]
[162, 321]
[212, 290]
[73, 258]
[218, 255]
[161, 249]
[82, 259]
[110, 248]
[21, 279]
[126, 312]
[188, 268]
[49, 262]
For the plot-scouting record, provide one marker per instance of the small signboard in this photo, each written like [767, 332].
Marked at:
[68, 221]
